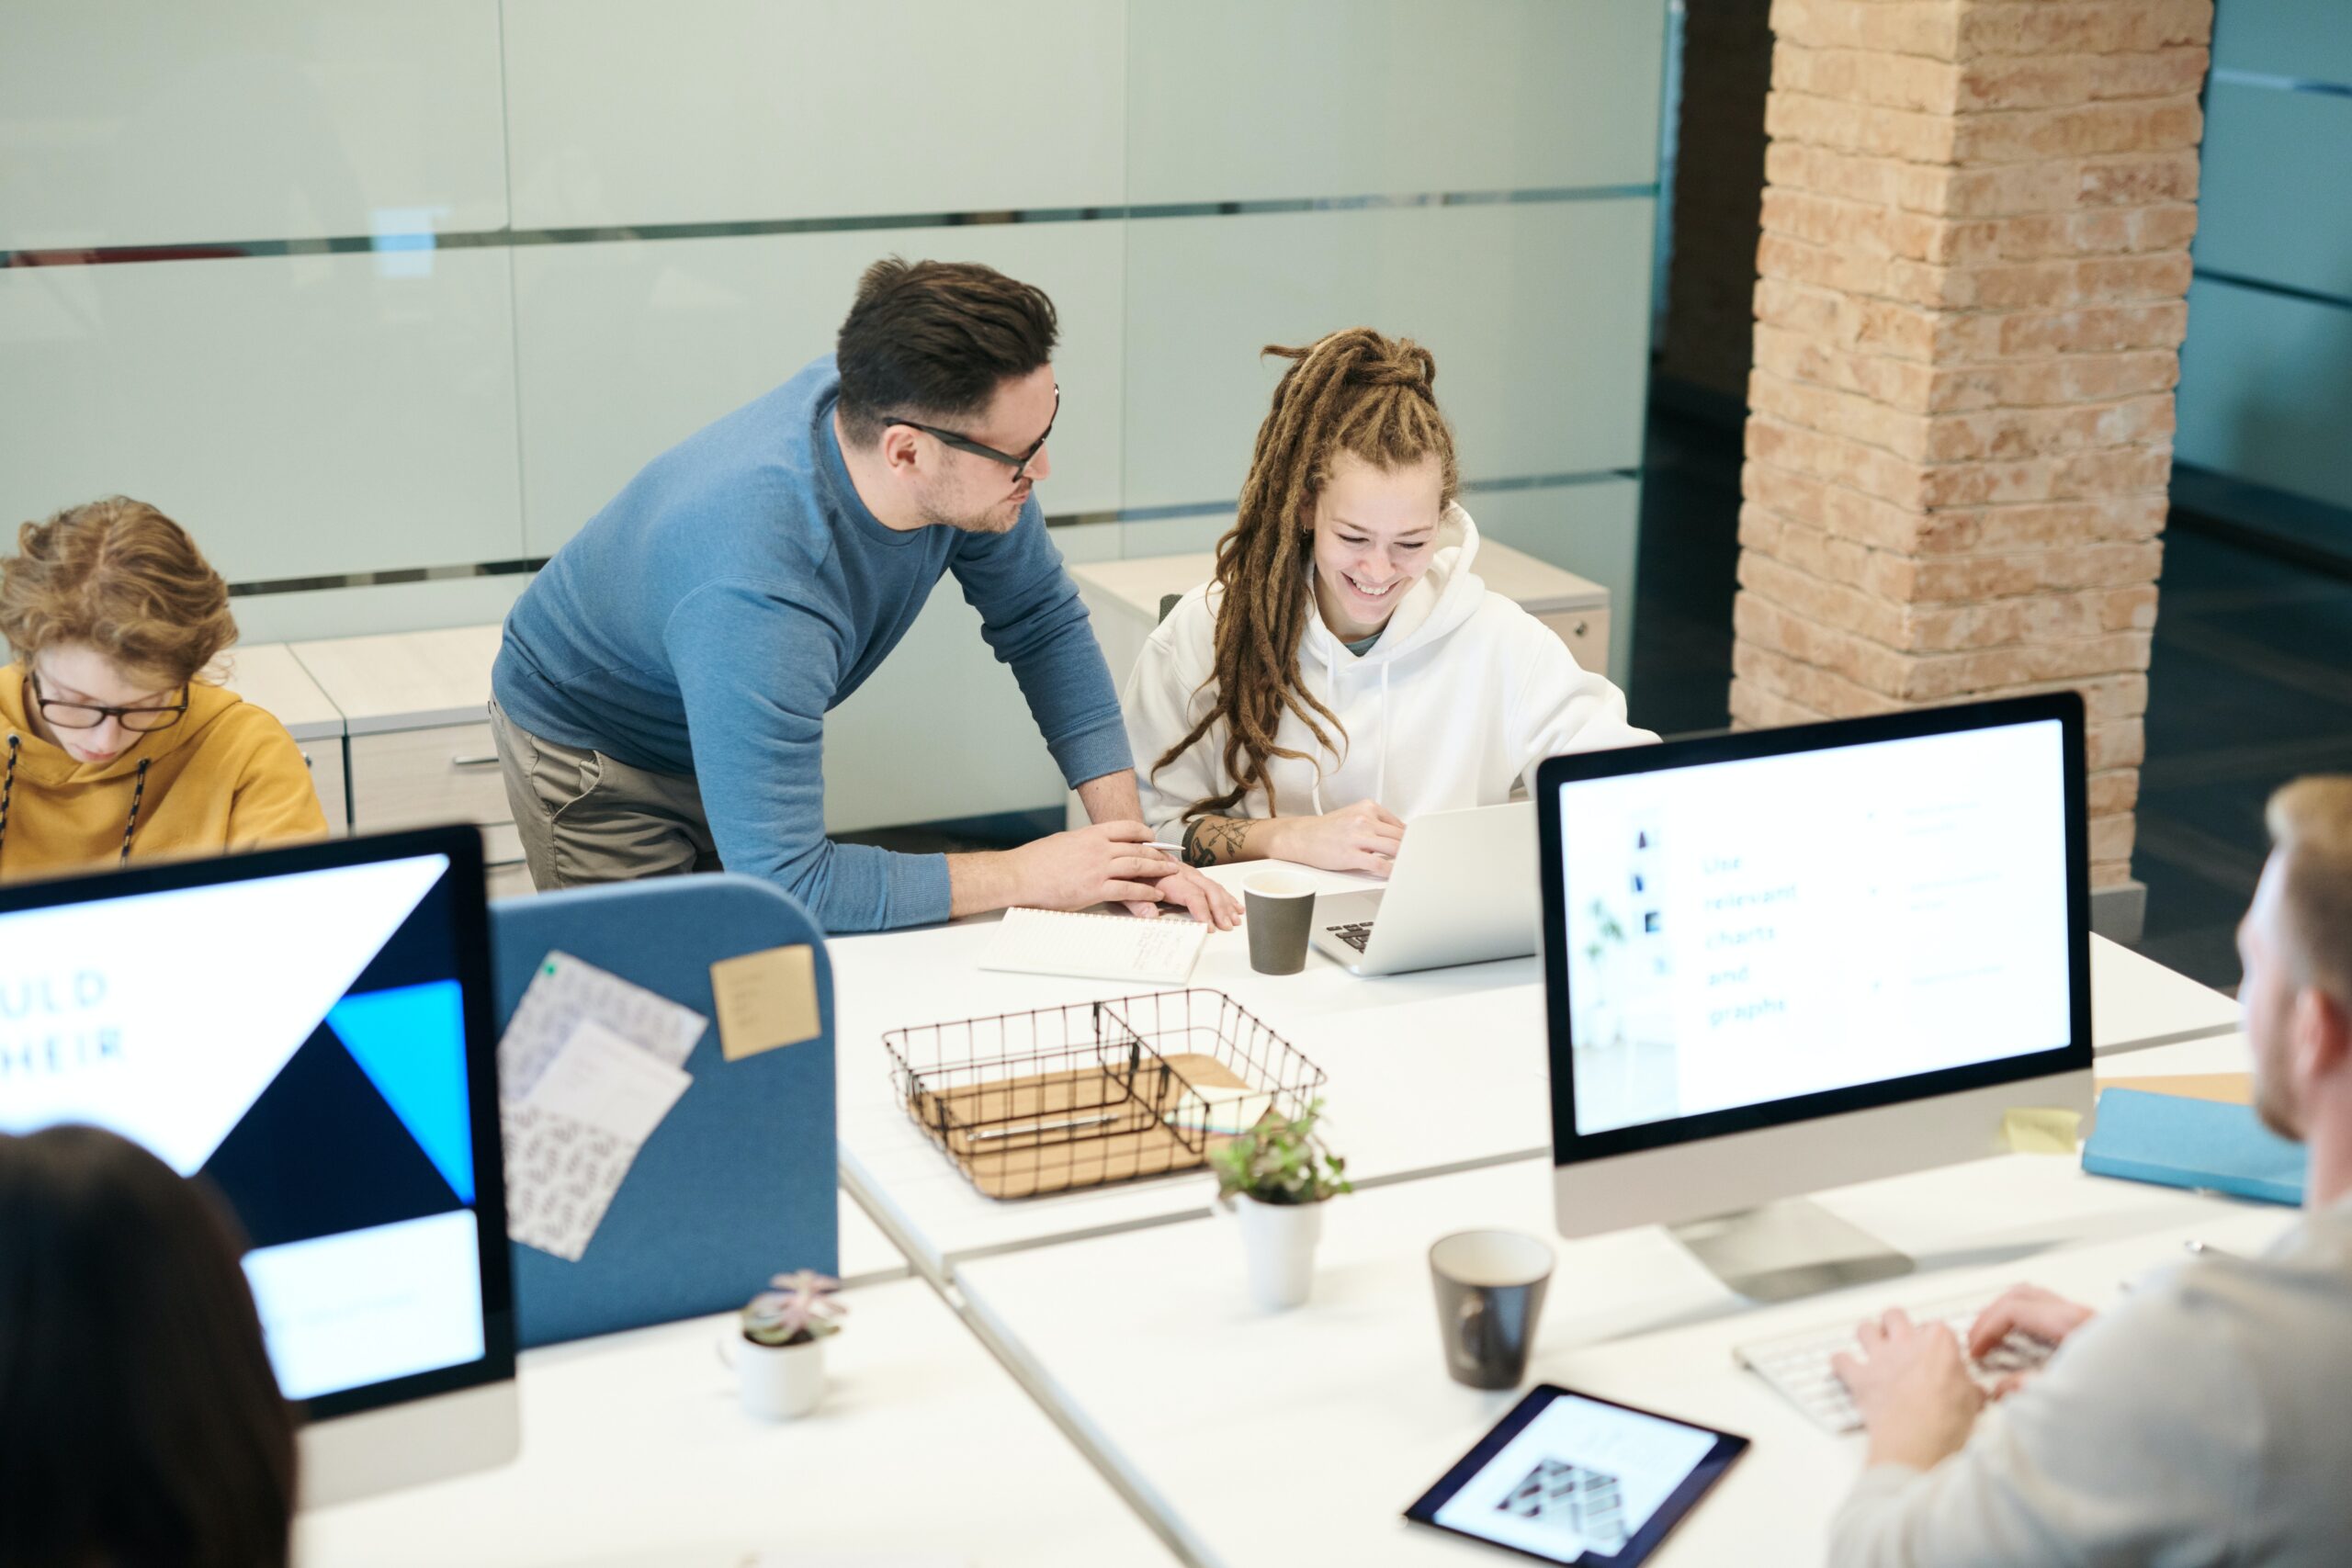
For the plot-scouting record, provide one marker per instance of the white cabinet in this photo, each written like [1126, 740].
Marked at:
[414, 707]
[268, 676]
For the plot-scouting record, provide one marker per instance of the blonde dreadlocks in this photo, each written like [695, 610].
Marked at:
[1354, 391]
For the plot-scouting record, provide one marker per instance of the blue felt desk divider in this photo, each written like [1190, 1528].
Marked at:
[739, 1181]
[2205, 1144]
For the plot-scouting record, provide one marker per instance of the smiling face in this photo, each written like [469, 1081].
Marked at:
[1375, 530]
[75, 673]
[965, 490]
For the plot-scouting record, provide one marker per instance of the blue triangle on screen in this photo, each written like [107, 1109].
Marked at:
[410, 1042]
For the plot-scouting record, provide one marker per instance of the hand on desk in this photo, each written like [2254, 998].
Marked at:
[1912, 1389]
[1362, 837]
[1113, 863]
[1912, 1384]
[2029, 1310]
[1197, 896]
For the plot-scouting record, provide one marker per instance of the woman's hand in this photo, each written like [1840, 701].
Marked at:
[1362, 837]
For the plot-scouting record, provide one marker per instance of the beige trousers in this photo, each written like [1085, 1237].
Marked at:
[586, 817]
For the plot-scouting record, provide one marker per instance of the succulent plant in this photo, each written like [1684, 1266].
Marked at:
[794, 1309]
[1280, 1161]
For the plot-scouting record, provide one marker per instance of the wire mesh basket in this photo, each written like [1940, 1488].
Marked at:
[1058, 1098]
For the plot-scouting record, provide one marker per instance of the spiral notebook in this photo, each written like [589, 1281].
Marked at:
[1097, 947]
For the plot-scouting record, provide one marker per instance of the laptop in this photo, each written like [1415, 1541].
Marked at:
[1463, 890]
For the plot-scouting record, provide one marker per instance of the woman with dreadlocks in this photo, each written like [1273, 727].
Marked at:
[112, 746]
[1345, 671]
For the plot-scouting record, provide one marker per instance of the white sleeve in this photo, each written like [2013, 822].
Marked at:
[2137, 1445]
[1161, 701]
[1558, 706]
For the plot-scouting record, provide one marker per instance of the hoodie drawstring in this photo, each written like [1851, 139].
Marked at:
[1331, 684]
[137, 794]
[8, 790]
[8, 785]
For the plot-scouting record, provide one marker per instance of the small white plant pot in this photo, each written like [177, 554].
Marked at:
[1278, 1241]
[779, 1382]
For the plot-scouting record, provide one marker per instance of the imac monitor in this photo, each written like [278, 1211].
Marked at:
[310, 1030]
[1787, 960]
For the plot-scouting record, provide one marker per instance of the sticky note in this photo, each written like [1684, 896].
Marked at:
[2229, 1089]
[765, 999]
[2039, 1130]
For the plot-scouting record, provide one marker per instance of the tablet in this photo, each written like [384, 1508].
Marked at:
[1573, 1479]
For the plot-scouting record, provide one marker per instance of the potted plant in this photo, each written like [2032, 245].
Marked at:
[780, 1367]
[1282, 1172]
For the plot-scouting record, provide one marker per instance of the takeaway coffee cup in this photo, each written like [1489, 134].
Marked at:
[1280, 908]
[1490, 1293]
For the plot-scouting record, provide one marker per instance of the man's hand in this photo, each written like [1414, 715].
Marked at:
[1197, 896]
[2029, 1310]
[1108, 862]
[1912, 1389]
[1362, 837]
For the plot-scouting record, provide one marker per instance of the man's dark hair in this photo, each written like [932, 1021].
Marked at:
[140, 1421]
[933, 339]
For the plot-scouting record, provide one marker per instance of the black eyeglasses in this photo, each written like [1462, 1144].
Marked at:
[89, 716]
[1020, 465]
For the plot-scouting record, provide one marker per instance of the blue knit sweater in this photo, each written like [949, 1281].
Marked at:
[705, 621]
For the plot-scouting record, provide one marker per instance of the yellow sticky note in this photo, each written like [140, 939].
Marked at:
[2039, 1130]
[765, 999]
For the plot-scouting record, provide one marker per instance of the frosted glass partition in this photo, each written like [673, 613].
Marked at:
[264, 272]
[2266, 390]
[698, 111]
[1236, 100]
[160, 123]
[2266, 208]
[303, 415]
[1539, 363]
[627, 348]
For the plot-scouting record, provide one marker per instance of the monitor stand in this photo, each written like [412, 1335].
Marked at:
[1789, 1248]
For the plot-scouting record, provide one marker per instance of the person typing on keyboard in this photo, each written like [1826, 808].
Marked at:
[2204, 1420]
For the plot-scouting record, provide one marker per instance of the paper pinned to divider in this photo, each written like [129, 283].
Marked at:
[568, 990]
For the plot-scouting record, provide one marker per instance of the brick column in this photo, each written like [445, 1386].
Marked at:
[1969, 307]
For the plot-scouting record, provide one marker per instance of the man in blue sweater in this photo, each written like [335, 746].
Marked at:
[659, 697]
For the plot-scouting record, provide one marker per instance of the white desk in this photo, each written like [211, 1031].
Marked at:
[867, 1257]
[635, 1452]
[1430, 1072]
[1150, 1341]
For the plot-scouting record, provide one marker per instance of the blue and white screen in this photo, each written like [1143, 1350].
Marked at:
[301, 1041]
[1753, 930]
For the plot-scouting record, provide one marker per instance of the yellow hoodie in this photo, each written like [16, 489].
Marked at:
[226, 777]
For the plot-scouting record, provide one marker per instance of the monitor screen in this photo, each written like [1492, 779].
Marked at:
[1744, 932]
[303, 1028]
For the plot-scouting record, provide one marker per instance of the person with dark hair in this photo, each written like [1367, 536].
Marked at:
[141, 1426]
[660, 695]
[1271, 707]
[115, 744]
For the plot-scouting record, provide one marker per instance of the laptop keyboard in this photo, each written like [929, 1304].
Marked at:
[1355, 936]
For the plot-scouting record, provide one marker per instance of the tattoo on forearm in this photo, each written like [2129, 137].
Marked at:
[1212, 841]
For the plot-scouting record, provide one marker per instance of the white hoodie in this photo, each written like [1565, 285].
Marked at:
[1459, 700]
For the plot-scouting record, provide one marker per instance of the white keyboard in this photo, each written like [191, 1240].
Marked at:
[1797, 1365]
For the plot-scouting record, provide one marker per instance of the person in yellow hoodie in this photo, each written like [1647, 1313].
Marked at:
[116, 748]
